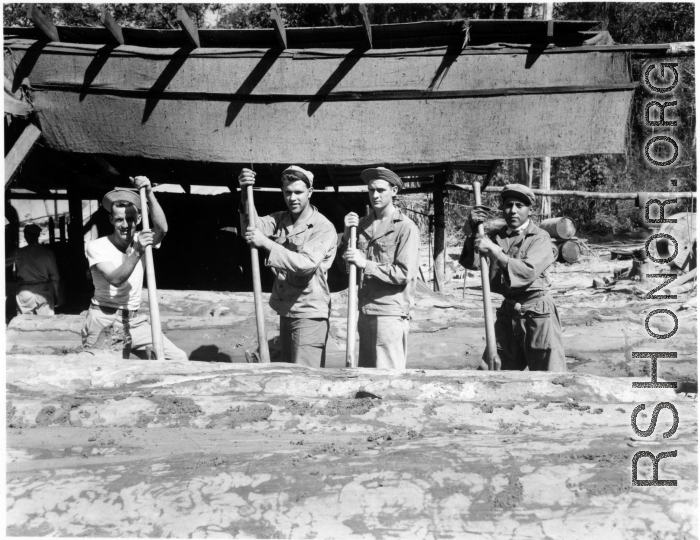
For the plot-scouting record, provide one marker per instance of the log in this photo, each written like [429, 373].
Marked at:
[570, 251]
[555, 250]
[559, 228]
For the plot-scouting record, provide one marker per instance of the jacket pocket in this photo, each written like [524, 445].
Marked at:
[386, 251]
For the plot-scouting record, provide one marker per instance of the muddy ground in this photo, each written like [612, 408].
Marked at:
[215, 447]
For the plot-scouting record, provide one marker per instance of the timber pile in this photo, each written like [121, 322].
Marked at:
[285, 451]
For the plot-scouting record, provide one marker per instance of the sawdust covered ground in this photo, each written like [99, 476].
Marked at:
[99, 446]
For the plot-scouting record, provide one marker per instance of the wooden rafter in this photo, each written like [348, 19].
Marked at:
[334, 180]
[42, 23]
[187, 26]
[366, 24]
[20, 151]
[111, 25]
[278, 24]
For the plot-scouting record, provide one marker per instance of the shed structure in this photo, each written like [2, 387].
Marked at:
[192, 107]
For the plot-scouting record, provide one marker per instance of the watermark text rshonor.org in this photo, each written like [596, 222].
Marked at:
[660, 79]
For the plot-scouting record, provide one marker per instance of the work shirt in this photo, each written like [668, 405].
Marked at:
[300, 259]
[35, 264]
[529, 257]
[387, 285]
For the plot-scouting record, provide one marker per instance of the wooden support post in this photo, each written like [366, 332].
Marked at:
[278, 25]
[547, 15]
[365, 23]
[76, 239]
[187, 26]
[334, 180]
[42, 23]
[20, 151]
[115, 31]
[52, 232]
[439, 243]
[62, 229]
[545, 180]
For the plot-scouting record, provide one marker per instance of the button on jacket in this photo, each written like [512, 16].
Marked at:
[387, 285]
[303, 253]
[530, 255]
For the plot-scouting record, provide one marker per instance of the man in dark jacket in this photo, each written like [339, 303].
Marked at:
[528, 329]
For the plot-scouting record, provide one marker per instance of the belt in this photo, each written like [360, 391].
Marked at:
[125, 313]
[517, 301]
[32, 282]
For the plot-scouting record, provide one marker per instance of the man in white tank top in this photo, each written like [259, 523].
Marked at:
[117, 267]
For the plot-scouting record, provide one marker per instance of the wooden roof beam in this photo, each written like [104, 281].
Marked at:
[20, 150]
[187, 26]
[42, 23]
[111, 25]
[334, 180]
[366, 24]
[278, 24]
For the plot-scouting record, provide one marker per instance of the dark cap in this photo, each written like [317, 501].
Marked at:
[32, 228]
[121, 195]
[519, 191]
[381, 173]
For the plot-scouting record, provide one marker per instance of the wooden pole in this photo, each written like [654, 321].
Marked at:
[439, 240]
[257, 287]
[350, 359]
[156, 332]
[491, 351]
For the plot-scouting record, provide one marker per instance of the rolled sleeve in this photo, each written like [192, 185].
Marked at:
[521, 273]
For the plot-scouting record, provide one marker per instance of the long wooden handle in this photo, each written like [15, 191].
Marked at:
[491, 350]
[156, 331]
[350, 359]
[257, 288]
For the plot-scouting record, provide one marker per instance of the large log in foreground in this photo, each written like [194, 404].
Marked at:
[285, 451]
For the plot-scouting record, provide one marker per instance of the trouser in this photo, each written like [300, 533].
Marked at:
[135, 332]
[35, 299]
[303, 341]
[529, 335]
[383, 341]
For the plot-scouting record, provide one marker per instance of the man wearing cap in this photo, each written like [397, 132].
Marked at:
[117, 267]
[528, 329]
[37, 275]
[301, 245]
[387, 256]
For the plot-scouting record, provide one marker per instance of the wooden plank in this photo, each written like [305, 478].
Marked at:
[278, 25]
[20, 151]
[586, 194]
[42, 23]
[111, 25]
[365, 23]
[187, 26]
